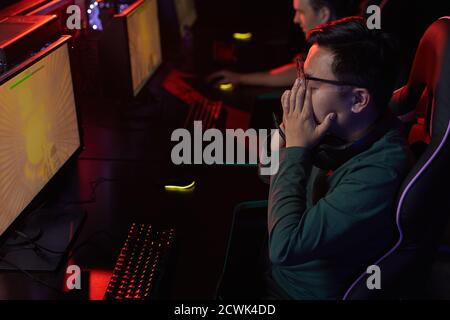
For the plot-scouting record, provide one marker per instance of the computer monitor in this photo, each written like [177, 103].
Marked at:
[144, 42]
[130, 48]
[39, 129]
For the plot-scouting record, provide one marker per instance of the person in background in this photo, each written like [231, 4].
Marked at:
[308, 15]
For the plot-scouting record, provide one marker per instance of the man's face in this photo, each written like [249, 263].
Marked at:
[305, 16]
[327, 98]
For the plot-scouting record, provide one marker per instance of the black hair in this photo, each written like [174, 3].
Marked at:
[364, 57]
[339, 8]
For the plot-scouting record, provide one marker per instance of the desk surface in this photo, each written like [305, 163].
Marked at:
[130, 144]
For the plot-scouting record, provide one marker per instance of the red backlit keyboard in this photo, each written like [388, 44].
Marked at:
[141, 265]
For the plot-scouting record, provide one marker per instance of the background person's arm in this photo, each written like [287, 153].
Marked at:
[280, 77]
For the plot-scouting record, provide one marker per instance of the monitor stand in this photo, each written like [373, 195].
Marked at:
[53, 229]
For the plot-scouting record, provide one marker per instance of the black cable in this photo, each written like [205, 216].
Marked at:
[88, 240]
[36, 245]
[72, 252]
[93, 197]
[38, 208]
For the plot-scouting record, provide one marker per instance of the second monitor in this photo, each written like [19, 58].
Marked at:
[130, 49]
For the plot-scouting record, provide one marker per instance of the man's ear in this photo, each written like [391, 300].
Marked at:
[324, 15]
[360, 99]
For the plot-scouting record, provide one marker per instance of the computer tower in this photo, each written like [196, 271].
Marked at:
[22, 36]
[58, 8]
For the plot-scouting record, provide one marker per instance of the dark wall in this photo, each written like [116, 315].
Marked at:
[276, 39]
[246, 14]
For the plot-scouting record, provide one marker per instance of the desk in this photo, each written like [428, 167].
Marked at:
[133, 151]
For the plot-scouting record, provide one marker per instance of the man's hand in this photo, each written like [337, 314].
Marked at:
[225, 76]
[277, 142]
[300, 125]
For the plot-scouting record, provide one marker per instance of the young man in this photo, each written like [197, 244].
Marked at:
[308, 15]
[331, 209]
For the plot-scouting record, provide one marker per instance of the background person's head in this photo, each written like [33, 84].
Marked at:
[311, 13]
[364, 60]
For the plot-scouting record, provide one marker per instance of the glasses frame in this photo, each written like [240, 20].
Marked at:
[301, 75]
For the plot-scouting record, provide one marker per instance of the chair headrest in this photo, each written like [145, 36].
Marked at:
[427, 89]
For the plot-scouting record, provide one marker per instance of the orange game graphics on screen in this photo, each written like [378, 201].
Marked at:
[144, 43]
[38, 131]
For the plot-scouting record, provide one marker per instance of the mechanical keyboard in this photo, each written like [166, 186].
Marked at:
[142, 264]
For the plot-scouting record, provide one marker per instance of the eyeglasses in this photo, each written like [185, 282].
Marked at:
[301, 75]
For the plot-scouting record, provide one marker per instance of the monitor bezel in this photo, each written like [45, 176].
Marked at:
[130, 9]
[37, 201]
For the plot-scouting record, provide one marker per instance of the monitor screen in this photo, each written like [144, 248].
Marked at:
[38, 130]
[187, 14]
[144, 43]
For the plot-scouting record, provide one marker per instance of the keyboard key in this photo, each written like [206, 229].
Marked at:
[138, 264]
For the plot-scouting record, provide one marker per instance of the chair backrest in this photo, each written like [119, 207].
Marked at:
[242, 273]
[423, 203]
